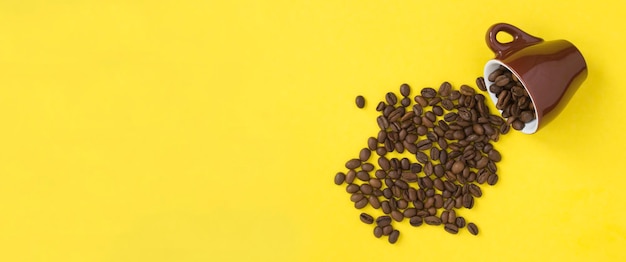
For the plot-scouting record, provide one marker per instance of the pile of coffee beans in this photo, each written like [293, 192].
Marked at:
[446, 136]
[513, 99]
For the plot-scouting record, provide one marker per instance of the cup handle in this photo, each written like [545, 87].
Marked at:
[521, 39]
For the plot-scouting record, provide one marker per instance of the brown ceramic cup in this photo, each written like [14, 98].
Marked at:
[551, 71]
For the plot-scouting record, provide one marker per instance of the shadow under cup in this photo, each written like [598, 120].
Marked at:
[550, 71]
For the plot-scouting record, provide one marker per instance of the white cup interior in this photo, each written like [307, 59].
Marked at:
[492, 65]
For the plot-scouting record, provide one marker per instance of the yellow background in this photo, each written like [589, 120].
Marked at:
[211, 130]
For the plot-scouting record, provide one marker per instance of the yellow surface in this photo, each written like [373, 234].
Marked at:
[211, 131]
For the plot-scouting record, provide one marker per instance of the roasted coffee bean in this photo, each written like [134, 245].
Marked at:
[360, 101]
[472, 228]
[502, 80]
[366, 189]
[393, 237]
[466, 90]
[367, 167]
[421, 157]
[387, 230]
[451, 228]
[416, 221]
[518, 125]
[492, 77]
[424, 145]
[444, 216]
[475, 190]
[428, 168]
[353, 163]
[372, 143]
[374, 202]
[445, 89]
[380, 174]
[381, 106]
[405, 101]
[428, 92]
[460, 222]
[468, 201]
[378, 232]
[457, 167]
[366, 218]
[410, 212]
[383, 123]
[383, 221]
[405, 89]
[340, 178]
[381, 151]
[361, 203]
[363, 176]
[480, 83]
[455, 95]
[397, 216]
[432, 220]
[527, 116]
[492, 179]
[350, 176]
[352, 188]
[438, 170]
[384, 163]
[421, 101]
[356, 197]
[364, 154]
[391, 98]
[384, 205]
[438, 201]
[449, 203]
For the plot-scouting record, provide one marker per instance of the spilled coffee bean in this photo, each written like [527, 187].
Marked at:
[432, 154]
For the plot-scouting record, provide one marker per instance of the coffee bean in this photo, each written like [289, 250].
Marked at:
[356, 197]
[387, 230]
[352, 188]
[391, 98]
[518, 125]
[480, 82]
[360, 101]
[527, 116]
[364, 154]
[424, 145]
[397, 216]
[416, 221]
[340, 178]
[405, 89]
[393, 237]
[405, 101]
[366, 218]
[361, 203]
[372, 143]
[492, 179]
[451, 228]
[502, 80]
[384, 205]
[378, 232]
[445, 89]
[492, 77]
[467, 90]
[428, 92]
[444, 216]
[384, 163]
[363, 176]
[468, 201]
[410, 212]
[475, 190]
[460, 222]
[451, 217]
[374, 202]
[366, 189]
[457, 167]
[382, 221]
[472, 228]
[432, 220]
[353, 163]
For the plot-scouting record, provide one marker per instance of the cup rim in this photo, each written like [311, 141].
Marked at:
[491, 65]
